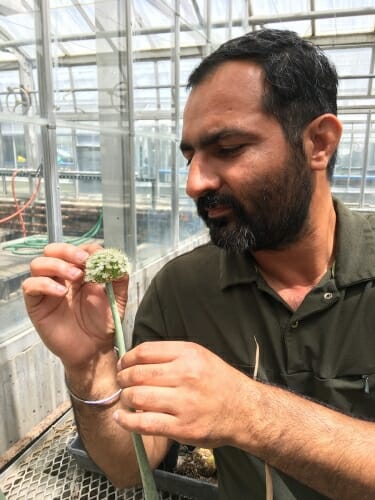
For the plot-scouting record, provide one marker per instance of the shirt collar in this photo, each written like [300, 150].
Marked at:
[236, 269]
[355, 253]
[355, 246]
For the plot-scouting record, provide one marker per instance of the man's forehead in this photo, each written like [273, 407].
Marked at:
[238, 71]
[228, 99]
[231, 83]
[209, 138]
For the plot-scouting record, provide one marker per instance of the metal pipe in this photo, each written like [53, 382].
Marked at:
[230, 20]
[339, 41]
[365, 159]
[48, 131]
[132, 249]
[355, 77]
[207, 47]
[306, 16]
[372, 68]
[175, 227]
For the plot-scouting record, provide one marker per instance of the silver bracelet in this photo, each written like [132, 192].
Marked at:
[96, 402]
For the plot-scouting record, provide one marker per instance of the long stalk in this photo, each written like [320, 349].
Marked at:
[149, 486]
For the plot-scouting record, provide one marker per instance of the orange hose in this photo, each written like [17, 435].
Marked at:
[20, 215]
[27, 204]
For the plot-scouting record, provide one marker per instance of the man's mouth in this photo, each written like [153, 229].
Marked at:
[218, 211]
[215, 207]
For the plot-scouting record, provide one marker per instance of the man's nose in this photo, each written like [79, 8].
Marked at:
[202, 178]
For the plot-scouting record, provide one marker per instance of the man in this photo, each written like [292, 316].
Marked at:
[290, 271]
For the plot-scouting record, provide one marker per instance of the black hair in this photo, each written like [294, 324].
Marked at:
[301, 83]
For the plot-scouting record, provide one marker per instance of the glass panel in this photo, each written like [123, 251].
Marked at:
[67, 20]
[303, 28]
[154, 144]
[348, 24]
[22, 218]
[153, 153]
[16, 23]
[354, 178]
[353, 61]
[358, 24]
[23, 225]
[262, 7]
[342, 4]
[189, 223]
[350, 86]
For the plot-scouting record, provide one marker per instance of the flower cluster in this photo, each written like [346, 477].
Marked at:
[106, 265]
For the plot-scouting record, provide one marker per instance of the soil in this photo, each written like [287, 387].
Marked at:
[197, 463]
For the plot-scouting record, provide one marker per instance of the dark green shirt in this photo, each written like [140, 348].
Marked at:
[325, 349]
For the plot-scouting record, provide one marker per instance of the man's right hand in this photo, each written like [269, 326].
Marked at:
[72, 317]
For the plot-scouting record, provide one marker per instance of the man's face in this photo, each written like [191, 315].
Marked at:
[268, 214]
[252, 191]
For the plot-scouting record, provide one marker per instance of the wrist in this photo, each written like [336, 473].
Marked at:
[94, 380]
[249, 403]
[107, 401]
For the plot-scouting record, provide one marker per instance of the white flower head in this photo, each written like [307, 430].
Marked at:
[106, 265]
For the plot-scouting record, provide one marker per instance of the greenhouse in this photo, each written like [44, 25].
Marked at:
[92, 94]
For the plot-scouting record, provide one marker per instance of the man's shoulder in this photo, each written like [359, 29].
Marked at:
[370, 217]
[205, 256]
[194, 270]
[354, 216]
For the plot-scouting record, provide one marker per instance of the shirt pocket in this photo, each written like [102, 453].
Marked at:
[354, 394]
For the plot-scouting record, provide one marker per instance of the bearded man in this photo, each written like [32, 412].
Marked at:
[289, 275]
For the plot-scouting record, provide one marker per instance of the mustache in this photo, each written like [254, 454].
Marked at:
[213, 200]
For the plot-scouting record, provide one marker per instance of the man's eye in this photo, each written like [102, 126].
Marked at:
[230, 150]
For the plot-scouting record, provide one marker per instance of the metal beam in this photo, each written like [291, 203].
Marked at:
[253, 20]
[176, 125]
[130, 173]
[48, 132]
[326, 42]
[365, 160]
[309, 15]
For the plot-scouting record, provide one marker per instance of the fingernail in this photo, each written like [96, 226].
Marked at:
[116, 416]
[74, 272]
[81, 255]
[60, 288]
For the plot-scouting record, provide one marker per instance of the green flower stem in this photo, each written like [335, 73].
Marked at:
[119, 336]
[148, 482]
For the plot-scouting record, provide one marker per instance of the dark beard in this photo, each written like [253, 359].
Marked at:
[279, 210]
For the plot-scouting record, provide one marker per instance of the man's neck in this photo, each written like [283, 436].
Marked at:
[294, 271]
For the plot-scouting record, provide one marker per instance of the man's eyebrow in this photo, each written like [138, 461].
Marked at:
[215, 137]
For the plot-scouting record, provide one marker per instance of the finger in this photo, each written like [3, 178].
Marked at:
[146, 423]
[43, 286]
[145, 398]
[159, 374]
[91, 248]
[67, 252]
[54, 267]
[152, 352]
[120, 287]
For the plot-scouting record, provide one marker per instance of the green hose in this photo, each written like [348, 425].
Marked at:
[34, 245]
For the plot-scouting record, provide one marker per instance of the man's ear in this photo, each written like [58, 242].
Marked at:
[321, 138]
